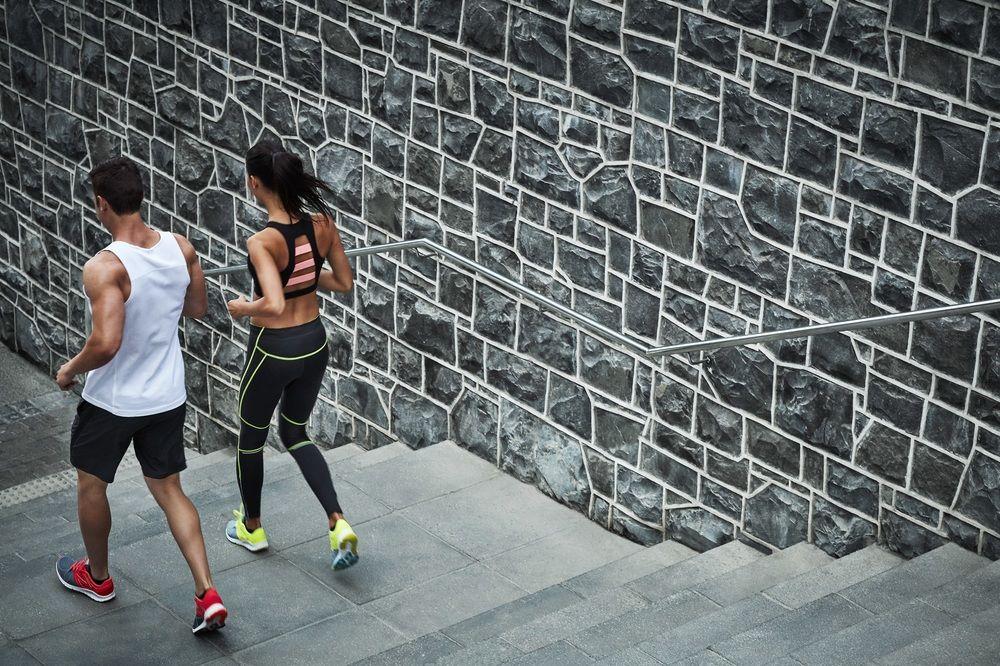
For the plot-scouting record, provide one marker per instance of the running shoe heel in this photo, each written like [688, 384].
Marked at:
[344, 544]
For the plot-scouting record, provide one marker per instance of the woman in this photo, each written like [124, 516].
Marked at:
[287, 350]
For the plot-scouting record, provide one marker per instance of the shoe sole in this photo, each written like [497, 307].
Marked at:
[82, 590]
[213, 622]
[253, 548]
[346, 556]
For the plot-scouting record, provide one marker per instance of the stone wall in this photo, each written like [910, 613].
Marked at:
[676, 169]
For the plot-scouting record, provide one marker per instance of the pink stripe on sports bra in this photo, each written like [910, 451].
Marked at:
[299, 279]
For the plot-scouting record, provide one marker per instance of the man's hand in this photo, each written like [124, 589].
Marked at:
[238, 307]
[65, 378]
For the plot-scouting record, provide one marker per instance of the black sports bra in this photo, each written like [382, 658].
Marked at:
[304, 261]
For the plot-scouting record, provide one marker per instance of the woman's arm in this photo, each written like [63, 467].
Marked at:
[341, 278]
[272, 303]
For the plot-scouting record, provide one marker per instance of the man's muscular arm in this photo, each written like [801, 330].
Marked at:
[103, 279]
[196, 298]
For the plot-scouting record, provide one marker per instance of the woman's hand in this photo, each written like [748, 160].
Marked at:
[238, 307]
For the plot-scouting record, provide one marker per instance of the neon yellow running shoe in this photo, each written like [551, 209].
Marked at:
[344, 544]
[238, 533]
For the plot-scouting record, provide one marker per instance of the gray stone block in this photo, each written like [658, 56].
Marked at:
[838, 575]
[877, 636]
[408, 612]
[503, 618]
[784, 634]
[351, 635]
[573, 619]
[688, 639]
[689, 572]
[894, 587]
[970, 642]
[763, 573]
[133, 628]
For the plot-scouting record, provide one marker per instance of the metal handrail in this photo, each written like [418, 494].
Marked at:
[638, 346]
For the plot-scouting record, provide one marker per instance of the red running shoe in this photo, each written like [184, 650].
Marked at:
[75, 575]
[209, 613]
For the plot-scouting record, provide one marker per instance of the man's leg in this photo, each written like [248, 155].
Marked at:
[95, 521]
[185, 525]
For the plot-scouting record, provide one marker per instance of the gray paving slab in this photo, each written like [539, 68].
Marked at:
[376, 456]
[343, 639]
[12, 654]
[67, 540]
[493, 516]
[409, 478]
[975, 592]
[427, 649]
[295, 515]
[630, 657]
[914, 578]
[626, 569]
[395, 554]
[573, 619]
[38, 603]
[560, 556]
[559, 653]
[838, 575]
[786, 633]
[487, 653]
[445, 600]
[763, 573]
[266, 598]
[630, 628]
[679, 643]
[877, 636]
[705, 658]
[19, 379]
[514, 614]
[143, 629]
[686, 573]
[972, 641]
[156, 563]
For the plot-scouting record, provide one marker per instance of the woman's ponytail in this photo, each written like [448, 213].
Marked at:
[285, 174]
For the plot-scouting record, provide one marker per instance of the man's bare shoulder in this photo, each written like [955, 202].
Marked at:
[187, 249]
[103, 269]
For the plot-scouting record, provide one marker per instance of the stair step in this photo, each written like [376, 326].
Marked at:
[513, 614]
[630, 628]
[628, 568]
[681, 642]
[914, 578]
[686, 573]
[559, 653]
[838, 575]
[763, 573]
[971, 641]
[630, 657]
[976, 592]
[876, 636]
[786, 633]
[572, 619]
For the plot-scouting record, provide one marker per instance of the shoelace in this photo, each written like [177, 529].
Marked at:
[79, 570]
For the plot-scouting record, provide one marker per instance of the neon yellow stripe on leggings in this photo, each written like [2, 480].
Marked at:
[299, 445]
[295, 422]
[291, 358]
[251, 450]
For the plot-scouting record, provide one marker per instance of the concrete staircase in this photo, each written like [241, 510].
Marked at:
[461, 564]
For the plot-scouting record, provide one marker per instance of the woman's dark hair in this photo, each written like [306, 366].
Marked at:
[119, 182]
[284, 174]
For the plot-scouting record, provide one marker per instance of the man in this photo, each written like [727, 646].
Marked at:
[138, 288]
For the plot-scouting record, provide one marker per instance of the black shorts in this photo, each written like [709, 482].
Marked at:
[99, 440]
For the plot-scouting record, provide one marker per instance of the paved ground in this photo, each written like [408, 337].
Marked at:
[461, 564]
[35, 418]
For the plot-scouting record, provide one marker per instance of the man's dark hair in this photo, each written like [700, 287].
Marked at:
[118, 180]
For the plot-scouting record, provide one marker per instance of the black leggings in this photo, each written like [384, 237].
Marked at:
[285, 364]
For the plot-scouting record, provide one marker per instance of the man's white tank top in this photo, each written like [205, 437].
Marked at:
[146, 376]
